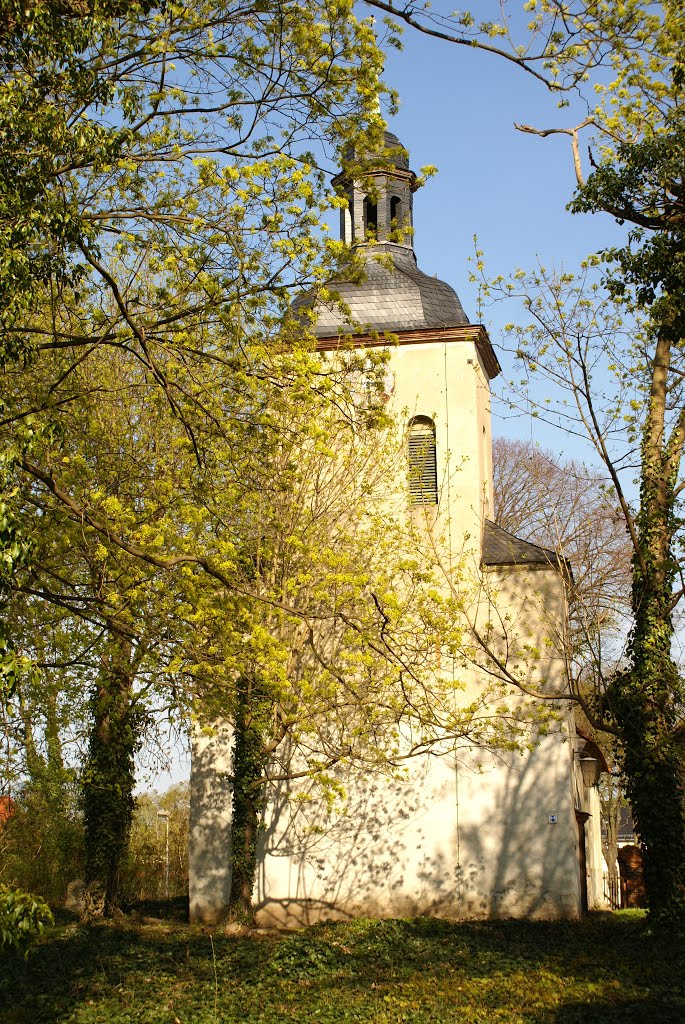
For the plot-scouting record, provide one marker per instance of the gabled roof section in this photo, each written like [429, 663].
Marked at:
[502, 548]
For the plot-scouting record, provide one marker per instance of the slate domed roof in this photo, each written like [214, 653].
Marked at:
[394, 295]
[394, 153]
[399, 153]
[401, 298]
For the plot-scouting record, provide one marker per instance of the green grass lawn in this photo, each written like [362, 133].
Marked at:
[420, 971]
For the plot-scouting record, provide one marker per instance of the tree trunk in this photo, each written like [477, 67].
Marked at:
[653, 768]
[249, 764]
[109, 773]
[647, 700]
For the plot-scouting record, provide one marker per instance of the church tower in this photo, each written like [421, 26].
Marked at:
[471, 832]
[441, 366]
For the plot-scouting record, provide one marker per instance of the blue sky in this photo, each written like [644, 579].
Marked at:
[458, 107]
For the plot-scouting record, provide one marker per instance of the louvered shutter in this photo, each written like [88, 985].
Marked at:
[423, 472]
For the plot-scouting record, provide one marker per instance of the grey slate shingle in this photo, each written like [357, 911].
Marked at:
[502, 548]
[399, 299]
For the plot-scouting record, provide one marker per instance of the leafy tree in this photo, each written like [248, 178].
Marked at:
[639, 181]
[158, 201]
[41, 721]
[276, 589]
[41, 844]
[127, 116]
[155, 180]
[179, 209]
[109, 769]
[22, 918]
[644, 185]
[15, 550]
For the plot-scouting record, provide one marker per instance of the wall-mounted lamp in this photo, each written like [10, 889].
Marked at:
[591, 769]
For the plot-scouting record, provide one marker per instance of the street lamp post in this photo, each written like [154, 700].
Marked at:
[165, 815]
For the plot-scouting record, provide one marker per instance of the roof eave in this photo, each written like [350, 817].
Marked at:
[475, 333]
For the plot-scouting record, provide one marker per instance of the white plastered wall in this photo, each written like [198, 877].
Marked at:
[593, 848]
[445, 380]
[469, 834]
[211, 804]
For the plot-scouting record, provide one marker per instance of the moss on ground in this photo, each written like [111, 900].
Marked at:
[607, 970]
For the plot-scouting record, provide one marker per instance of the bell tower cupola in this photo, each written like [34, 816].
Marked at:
[393, 294]
[380, 207]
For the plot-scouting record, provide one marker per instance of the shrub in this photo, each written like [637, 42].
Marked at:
[22, 918]
[41, 845]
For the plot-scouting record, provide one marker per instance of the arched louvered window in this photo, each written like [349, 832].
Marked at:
[423, 470]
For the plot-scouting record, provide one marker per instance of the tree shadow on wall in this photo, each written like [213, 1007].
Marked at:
[398, 849]
[521, 855]
[211, 801]
[373, 857]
